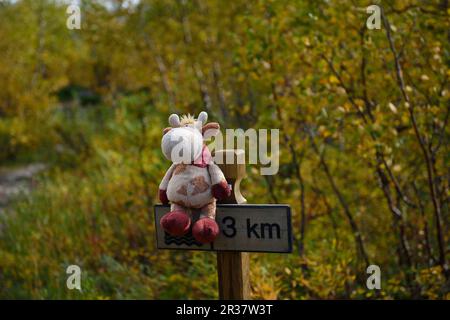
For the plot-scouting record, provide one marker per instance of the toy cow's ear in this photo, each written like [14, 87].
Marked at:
[203, 117]
[174, 120]
[211, 129]
[167, 130]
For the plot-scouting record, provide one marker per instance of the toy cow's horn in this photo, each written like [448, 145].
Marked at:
[202, 117]
[174, 120]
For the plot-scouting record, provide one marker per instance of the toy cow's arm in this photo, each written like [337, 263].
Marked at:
[163, 185]
[220, 187]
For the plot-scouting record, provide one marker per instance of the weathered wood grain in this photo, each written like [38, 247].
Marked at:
[233, 269]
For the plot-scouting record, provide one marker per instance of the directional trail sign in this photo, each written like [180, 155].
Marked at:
[243, 227]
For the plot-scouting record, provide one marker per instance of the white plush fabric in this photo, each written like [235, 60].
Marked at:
[165, 181]
[190, 186]
[215, 173]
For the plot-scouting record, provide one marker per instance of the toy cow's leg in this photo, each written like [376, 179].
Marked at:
[209, 211]
[205, 230]
[177, 221]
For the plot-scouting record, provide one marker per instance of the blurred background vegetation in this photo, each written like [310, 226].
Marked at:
[363, 116]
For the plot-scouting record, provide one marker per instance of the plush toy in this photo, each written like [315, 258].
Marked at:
[193, 181]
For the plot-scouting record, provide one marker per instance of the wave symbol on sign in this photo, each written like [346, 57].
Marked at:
[187, 240]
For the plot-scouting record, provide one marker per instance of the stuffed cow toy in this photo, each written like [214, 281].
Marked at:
[193, 181]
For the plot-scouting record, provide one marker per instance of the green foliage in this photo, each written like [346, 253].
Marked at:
[364, 158]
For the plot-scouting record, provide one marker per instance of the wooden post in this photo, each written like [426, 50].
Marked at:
[233, 273]
[233, 267]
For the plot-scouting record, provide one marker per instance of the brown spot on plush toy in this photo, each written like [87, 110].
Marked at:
[193, 181]
[200, 185]
[179, 169]
[182, 190]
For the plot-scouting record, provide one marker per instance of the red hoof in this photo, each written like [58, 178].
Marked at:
[176, 223]
[205, 230]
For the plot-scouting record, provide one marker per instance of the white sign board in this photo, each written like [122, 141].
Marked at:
[243, 227]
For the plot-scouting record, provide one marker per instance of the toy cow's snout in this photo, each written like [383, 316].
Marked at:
[182, 145]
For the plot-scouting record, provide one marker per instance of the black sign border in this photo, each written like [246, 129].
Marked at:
[256, 206]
